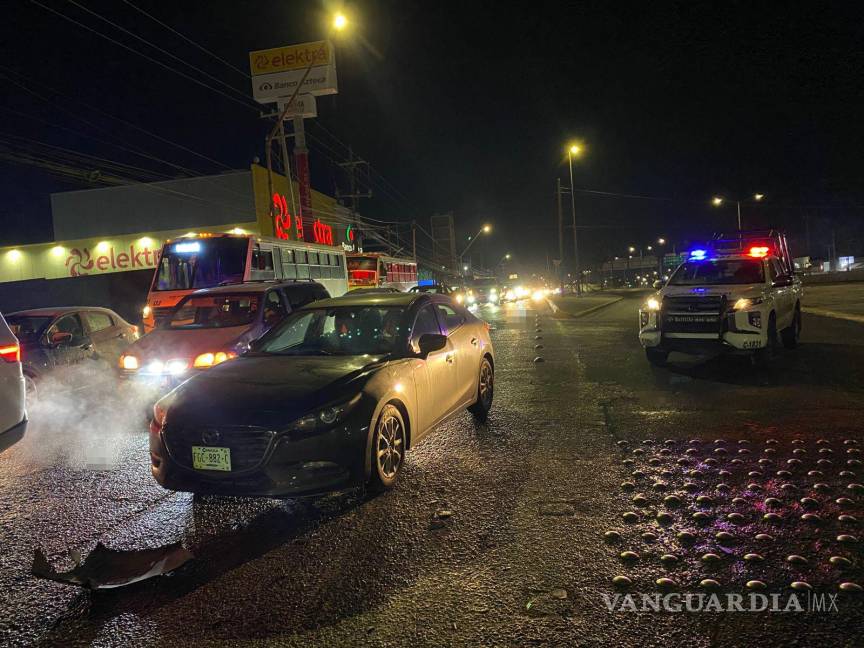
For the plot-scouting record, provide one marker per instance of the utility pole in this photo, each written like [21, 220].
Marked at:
[352, 167]
[575, 231]
[560, 236]
[414, 239]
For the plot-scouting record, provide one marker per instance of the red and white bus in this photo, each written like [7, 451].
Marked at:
[374, 269]
[207, 260]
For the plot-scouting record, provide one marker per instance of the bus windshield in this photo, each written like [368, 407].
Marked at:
[201, 263]
[362, 263]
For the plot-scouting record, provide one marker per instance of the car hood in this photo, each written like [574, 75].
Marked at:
[268, 390]
[167, 344]
[731, 291]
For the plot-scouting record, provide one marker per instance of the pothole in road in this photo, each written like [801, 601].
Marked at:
[741, 515]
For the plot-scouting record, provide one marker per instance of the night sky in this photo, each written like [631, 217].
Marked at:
[467, 107]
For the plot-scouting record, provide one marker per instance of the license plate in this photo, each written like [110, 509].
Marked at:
[207, 458]
[692, 319]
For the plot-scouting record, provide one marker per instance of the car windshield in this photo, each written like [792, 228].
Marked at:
[346, 330]
[28, 328]
[201, 263]
[718, 272]
[214, 311]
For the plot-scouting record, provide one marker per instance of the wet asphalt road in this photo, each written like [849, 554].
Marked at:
[521, 558]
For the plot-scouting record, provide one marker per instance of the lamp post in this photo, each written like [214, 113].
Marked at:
[717, 201]
[483, 230]
[574, 151]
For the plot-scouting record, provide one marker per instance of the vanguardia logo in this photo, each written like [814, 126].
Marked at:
[676, 602]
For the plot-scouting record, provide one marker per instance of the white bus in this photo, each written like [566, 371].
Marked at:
[206, 260]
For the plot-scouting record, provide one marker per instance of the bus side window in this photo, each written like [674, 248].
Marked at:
[262, 264]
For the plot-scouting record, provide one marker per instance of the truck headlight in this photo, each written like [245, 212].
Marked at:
[652, 304]
[744, 303]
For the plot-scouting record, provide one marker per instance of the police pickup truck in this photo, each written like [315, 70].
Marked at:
[735, 295]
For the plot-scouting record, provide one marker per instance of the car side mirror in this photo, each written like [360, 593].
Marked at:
[431, 342]
[60, 338]
[657, 284]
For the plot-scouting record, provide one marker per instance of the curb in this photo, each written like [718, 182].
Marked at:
[556, 310]
[835, 314]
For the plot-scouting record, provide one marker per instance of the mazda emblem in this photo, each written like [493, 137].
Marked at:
[211, 437]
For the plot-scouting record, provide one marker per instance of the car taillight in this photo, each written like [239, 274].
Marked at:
[11, 353]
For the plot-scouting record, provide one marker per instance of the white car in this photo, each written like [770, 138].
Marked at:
[13, 416]
[738, 303]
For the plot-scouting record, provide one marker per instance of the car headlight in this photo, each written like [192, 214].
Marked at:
[129, 362]
[459, 299]
[209, 359]
[471, 299]
[324, 418]
[652, 304]
[747, 302]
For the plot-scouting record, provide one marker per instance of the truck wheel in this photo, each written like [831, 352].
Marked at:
[762, 357]
[790, 335]
[657, 357]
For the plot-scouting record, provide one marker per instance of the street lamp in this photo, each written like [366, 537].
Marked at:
[661, 241]
[483, 230]
[340, 21]
[575, 150]
[719, 200]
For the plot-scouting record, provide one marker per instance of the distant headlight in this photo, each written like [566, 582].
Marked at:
[177, 367]
[128, 362]
[459, 299]
[652, 304]
[324, 418]
[471, 299]
[538, 296]
[744, 303]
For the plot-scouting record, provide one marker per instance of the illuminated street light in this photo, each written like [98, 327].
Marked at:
[487, 229]
[661, 241]
[340, 22]
[507, 256]
[465, 268]
[649, 248]
[717, 201]
[575, 150]
[631, 249]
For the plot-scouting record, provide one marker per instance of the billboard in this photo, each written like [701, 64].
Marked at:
[277, 72]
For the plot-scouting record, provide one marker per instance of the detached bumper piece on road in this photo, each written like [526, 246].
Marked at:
[108, 568]
[251, 461]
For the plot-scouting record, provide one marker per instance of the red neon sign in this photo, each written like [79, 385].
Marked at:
[281, 216]
[323, 233]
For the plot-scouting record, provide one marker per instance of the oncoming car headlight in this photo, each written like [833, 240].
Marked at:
[744, 303]
[323, 418]
[652, 304]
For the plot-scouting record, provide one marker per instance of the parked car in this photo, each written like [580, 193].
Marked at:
[57, 337]
[212, 325]
[13, 417]
[329, 399]
[373, 289]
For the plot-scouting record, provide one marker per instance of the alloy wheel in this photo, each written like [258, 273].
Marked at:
[390, 451]
[486, 384]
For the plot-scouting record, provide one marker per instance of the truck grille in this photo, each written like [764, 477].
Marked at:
[692, 314]
[249, 445]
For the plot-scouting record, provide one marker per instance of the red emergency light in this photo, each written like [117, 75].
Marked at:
[759, 251]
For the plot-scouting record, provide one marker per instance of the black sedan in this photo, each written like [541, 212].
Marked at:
[331, 398]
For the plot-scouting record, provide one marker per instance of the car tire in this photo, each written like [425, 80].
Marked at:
[657, 357]
[389, 442]
[793, 333]
[485, 392]
[762, 357]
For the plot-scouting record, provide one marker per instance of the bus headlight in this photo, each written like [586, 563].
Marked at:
[146, 312]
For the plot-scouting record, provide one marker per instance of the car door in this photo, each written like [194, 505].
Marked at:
[73, 350]
[434, 376]
[782, 288]
[105, 335]
[453, 322]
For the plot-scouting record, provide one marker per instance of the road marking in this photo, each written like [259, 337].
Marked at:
[836, 314]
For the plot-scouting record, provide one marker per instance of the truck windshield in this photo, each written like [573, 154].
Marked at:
[719, 272]
[201, 263]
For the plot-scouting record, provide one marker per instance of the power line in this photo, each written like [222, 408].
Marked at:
[187, 39]
[141, 54]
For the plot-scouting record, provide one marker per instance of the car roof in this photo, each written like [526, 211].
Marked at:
[370, 299]
[252, 287]
[59, 310]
